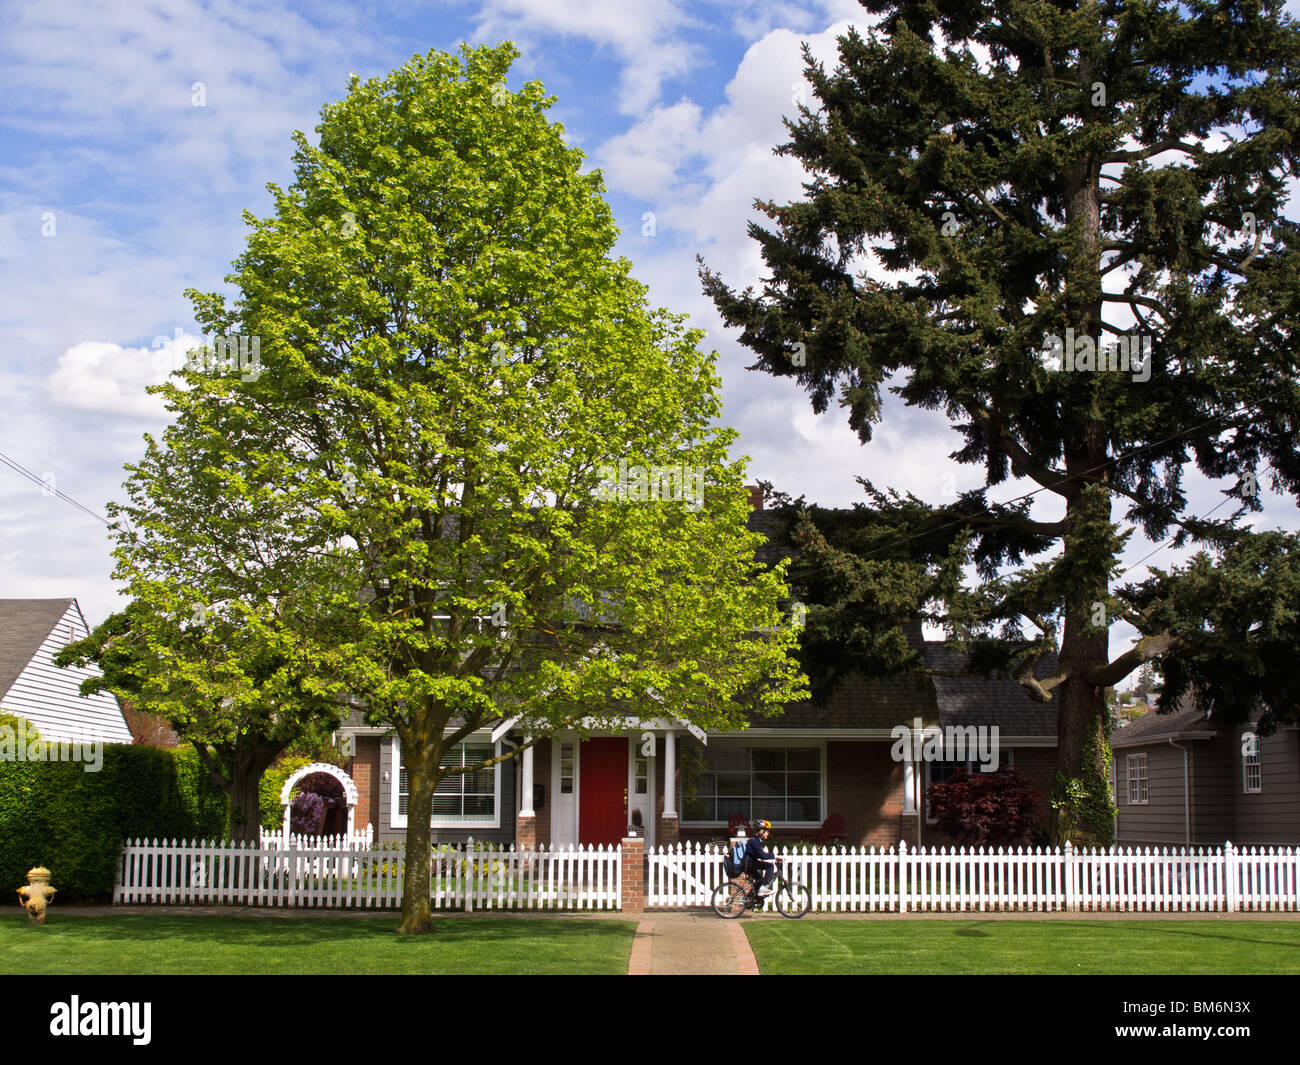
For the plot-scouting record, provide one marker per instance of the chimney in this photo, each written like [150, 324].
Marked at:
[755, 497]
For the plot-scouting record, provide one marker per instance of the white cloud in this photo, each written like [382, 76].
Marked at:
[702, 171]
[643, 36]
[109, 379]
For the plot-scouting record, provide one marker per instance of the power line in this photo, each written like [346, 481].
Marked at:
[22, 470]
[1167, 543]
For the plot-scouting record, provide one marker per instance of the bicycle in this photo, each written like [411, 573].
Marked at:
[732, 898]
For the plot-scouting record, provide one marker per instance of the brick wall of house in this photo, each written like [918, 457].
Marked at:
[865, 787]
[364, 771]
[1038, 766]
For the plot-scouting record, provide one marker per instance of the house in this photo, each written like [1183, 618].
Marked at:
[32, 631]
[811, 762]
[796, 770]
[1185, 779]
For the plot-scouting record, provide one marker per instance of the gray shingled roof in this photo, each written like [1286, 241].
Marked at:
[1188, 720]
[974, 700]
[771, 523]
[24, 624]
[861, 702]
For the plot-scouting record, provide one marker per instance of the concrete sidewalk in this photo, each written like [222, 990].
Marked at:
[690, 944]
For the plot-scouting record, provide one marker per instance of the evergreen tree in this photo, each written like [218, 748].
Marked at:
[1080, 207]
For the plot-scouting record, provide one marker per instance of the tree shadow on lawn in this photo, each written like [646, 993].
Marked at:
[274, 932]
[1173, 929]
[1231, 934]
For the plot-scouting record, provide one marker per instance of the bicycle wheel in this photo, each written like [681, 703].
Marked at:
[793, 900]
[729, 899]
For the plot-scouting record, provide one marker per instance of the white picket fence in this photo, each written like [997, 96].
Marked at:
[468, 877]
[308, 873]
[959, 879]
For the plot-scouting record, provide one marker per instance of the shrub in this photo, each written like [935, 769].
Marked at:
[73, 822]
[983, 809]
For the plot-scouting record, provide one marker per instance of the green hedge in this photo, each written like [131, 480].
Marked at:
[73, 822]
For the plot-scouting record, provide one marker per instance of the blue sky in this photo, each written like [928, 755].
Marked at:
[117, 193]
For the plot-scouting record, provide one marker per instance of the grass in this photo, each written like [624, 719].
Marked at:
[1043, 947]
[188, 945]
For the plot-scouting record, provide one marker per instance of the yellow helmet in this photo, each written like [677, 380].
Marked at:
[759, 826]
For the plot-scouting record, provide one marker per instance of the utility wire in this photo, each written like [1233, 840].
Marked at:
[1167, 543]
[20, 469]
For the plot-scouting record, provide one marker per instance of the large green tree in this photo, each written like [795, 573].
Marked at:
[1037, 182]
[512, 461]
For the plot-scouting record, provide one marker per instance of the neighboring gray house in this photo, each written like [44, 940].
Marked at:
[1181, 779]
[33, 687]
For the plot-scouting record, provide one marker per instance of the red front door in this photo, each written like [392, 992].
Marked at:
[602, 791]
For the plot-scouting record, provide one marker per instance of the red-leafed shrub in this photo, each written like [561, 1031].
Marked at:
[986, 808]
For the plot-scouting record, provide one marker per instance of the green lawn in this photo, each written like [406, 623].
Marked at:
[133, 945]
[1030, 947]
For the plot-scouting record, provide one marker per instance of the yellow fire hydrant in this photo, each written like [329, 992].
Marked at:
[37, 894]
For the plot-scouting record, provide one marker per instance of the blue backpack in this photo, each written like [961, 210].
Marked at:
[734, 862]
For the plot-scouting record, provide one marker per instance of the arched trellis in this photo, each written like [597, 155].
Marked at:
[349, 791]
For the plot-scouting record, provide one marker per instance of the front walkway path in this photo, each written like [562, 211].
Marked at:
[690, 944]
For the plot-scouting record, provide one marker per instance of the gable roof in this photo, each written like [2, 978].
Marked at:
[32, 631]
[24, 624]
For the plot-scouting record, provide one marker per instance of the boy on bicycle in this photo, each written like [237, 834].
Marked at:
[758, 859]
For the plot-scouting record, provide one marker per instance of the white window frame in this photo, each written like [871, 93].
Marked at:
[399, 820]
[972, 767]
[1136, 773]
[1252, 762]
[795, 743]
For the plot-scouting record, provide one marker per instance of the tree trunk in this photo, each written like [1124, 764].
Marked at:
[1080, 794]
[421, 765]
[252, 758]
[1081, 735]
[1085, 642]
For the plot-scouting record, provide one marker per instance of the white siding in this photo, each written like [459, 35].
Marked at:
[50, 699]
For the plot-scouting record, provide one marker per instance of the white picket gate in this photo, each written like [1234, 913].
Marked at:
[471, 876]
[360, 840]
[684, 875]
[963, 879]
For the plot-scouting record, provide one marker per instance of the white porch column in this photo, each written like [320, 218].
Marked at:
[670, 773]
[526, 800]
[909, 786]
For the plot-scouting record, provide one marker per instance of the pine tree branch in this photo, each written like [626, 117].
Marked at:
[1016, 521]
[1169, 144]
[1147, 648]
[1039, 690]
[1132, 299]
